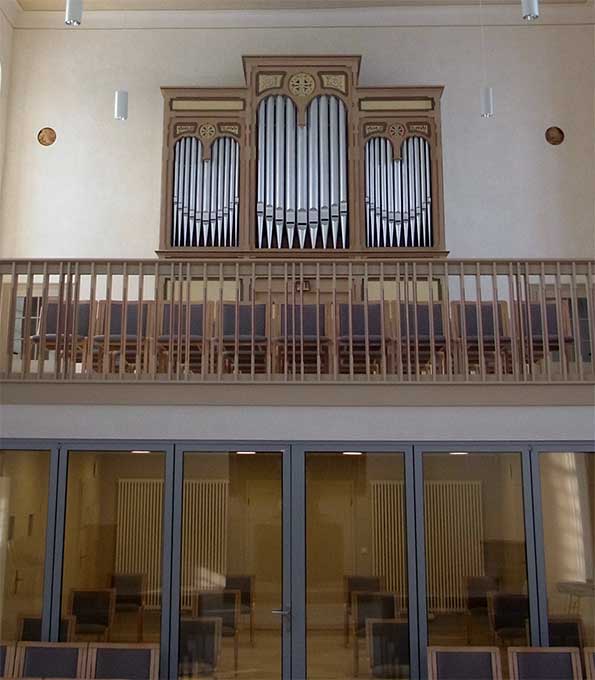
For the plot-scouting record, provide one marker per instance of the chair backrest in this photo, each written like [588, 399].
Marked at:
[478, 588]
[30, 628]
[508, 610]
[245, 584]
[224, 604]
[50, 660]
[590, 662]
[388, 646]
[358, 320]
[93, 606]
[304, 320]
[544, 663]
[130, 589]
[551, 314]
[174, 321]
[200, 641]
[244, 320]
[565, 630]
[7, 651]
[464, 663]
[132, 314]
[419, 318]
[467, 318]
[356, 583]
[366, 605]
[130, 661]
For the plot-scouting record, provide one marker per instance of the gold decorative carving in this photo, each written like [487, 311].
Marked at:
[185, 128]
[334, 81]
[302, 84]
[230, 128]
[374, 128]
[269, 81]
[396, 130]
[421, 128]
[207, 131]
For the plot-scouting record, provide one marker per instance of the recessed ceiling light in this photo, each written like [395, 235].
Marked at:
[140, 451]
[246, 453]
[352, 453]
[459, 453]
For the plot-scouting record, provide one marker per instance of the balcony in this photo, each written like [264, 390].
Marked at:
[297, 321]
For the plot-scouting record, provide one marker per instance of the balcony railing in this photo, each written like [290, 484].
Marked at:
[298, 321]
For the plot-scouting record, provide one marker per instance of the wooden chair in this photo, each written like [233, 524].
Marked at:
[182, 336]
[7, 658]
[544, 663]
[94, 609]
[388, 647]
[130, 661]
[353, 584]
[507, 615]
[420, 343]
[302, 333]
[200, 646]
[539, 336]
[367, 605]
[240, 341]
[130, 597]
[590, 662]
[478, 588]
[359, 341]
[120, 339]
[566, 630]
[30, 628]
[50, 660]
[222, 604]
[464, 663]
[245, 584]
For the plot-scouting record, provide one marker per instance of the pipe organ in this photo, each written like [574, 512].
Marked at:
[302, 159]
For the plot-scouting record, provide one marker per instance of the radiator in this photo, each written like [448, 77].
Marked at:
[454, 539]
[204, 534]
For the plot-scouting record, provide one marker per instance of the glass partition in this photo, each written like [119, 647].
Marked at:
[111, 585]
[24, 481]
[568, 507]
[356, 566]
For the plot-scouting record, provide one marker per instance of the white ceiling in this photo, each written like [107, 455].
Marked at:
[175, 5]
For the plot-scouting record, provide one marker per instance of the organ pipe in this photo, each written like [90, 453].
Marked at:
[205, 194]
[398, 199]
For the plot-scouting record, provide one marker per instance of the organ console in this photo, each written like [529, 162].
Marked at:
[301, 160]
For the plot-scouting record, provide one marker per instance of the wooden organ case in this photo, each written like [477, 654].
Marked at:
[302, 160]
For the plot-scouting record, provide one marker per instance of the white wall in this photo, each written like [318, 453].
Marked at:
[96, 192]
[6, 40]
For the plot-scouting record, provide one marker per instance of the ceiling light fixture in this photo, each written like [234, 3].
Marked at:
[140, 451]
[459, 453]
[246, 453]
[74, 12]
[352, 453]
[530, 9]
[121, 105]
[486, 93]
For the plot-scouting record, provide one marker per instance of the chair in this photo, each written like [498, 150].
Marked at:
[359, 343]
[367, 605]
[388, 647]
[50, 660]
[491, 347]
[174, 341]
[477, 599]
[353, 584]
[130, 661]
[507, 614]
[544, 663]
[245, 584]
[535, 340]
[94, 610]
[123, 343]
[590, 662]
[200, 645]
[417, 337]
[565, 630]
[464, 663]
[58, 329]
[302, 333]
[30, 628]
[7, 654]
[243, 342]
[225, 605]
[130, 597]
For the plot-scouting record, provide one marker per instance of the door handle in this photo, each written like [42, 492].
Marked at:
[281, 612]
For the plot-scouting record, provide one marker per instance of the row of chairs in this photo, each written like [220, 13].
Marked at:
[79, 660]
[524, 663]
[416, 334]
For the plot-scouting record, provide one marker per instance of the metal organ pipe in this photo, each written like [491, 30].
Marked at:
[302, 174]
[205, 194]
[398, 200]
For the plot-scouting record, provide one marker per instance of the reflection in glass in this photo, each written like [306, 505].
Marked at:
[111, 588]
[231, 567]
[357, 606]
[568, 493]
[24, 477]
[475, 550]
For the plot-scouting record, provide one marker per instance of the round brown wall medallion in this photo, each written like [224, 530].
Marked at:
[46, 136]
[554, 135]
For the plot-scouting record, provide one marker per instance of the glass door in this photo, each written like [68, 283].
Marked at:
[231, 600]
